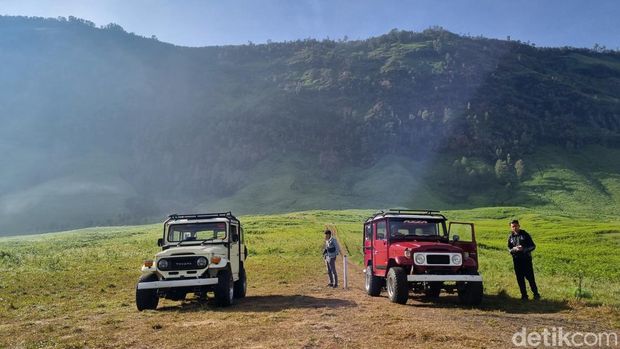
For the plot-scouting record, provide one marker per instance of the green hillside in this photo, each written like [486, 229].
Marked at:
[102, 127]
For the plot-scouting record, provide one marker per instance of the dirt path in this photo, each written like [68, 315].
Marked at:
[306, 315]
[349, 318]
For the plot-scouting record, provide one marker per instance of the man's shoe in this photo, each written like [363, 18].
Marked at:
[335, 286]
[524, 298]
[330, 285]
[537, 296]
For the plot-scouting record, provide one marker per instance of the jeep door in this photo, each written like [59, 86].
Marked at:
[380, 248]
[233, 249]
[466, 237]
[367, 243]
[243, 251]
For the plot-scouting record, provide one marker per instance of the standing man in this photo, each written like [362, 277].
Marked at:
[332, 249]
[521, 245]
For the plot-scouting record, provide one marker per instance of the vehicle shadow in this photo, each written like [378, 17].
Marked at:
[266, 303]
[499, 302]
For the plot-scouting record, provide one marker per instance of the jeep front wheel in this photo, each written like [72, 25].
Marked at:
[373, 283]
[225, 288]
[241, 285]
[147, 299]
[397, 287]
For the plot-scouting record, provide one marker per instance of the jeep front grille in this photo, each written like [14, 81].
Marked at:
[437, 259]
[182, 263]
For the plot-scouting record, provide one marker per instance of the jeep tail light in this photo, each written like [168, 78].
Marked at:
[148, 263]
[216, 259]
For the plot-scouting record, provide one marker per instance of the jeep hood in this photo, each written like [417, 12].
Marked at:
[193, 250]
[427, 246]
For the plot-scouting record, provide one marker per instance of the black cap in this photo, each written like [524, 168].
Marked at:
[328, 232]
[515, 221]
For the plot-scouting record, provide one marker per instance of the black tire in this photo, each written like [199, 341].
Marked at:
[225, 288]
[433, 289]
[241, 285]
[397, 286]
[147, 299]
[471, 293]
[372, 284]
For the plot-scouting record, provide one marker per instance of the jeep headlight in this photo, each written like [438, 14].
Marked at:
[407, 253]
[201, 262]
[162, 264]
[457, 259]
[420, 259]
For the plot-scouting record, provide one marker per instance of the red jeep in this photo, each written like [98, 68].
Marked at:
[413, 250]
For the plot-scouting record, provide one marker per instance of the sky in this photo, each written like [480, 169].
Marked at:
[577, 23]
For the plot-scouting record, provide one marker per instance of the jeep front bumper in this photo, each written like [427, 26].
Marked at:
[434, 277]
[176, 283]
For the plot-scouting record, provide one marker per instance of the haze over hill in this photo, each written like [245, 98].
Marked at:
[104, 127]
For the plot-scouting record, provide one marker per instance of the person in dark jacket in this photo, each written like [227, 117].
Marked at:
[332, 249]
[521, 245]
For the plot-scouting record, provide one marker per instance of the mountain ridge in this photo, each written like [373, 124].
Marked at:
[181, 129]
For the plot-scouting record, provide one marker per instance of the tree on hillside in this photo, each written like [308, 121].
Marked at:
[501, 170]
[520, 169]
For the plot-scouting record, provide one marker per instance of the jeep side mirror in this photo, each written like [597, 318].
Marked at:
[455, 238]
[160, 242]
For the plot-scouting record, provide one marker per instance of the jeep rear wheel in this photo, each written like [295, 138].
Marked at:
[373, 283]
[147, 299]
[471, 293]
[397, 287]
[241, 285]
[225, 288]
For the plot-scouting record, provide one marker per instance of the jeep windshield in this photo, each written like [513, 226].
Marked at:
[197, 232]
[417, 229]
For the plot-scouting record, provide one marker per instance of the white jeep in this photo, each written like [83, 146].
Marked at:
[200, 253]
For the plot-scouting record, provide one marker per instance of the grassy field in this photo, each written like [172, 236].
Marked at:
[74, 275]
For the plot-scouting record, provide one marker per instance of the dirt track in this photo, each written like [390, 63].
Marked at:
[308, 315]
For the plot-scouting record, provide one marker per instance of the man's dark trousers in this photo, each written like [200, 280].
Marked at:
[525, 270]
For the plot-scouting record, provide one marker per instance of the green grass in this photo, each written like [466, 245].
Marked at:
[585, 183]
[567, 247]
[45, 275]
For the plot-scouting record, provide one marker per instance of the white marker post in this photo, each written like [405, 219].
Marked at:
[344, 267]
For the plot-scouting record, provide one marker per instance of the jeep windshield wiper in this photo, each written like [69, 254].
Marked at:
[205, 241]
[182, 241]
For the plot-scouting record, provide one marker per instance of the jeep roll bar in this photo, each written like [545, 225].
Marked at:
[196, 216]
[201, 216]
[396, 211]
